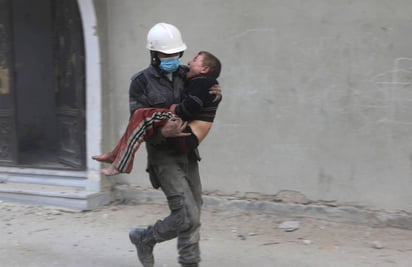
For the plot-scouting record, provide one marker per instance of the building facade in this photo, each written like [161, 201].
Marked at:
[316, 95]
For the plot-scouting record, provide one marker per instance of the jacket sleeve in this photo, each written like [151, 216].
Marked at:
[137, 93]
[138, 99]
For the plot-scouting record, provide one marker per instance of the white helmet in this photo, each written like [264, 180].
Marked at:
[165, 38]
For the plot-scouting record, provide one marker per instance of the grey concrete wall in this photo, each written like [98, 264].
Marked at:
[317, 93]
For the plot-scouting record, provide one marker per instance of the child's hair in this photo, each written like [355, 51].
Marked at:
[212, 62]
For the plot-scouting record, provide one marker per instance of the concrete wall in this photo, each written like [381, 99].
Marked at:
[317, 93]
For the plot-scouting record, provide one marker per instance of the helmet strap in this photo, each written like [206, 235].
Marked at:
[154, 59]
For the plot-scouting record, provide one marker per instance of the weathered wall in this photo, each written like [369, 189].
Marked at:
[317, 94]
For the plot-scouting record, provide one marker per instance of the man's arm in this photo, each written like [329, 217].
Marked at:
[137, 93]
[184, 144]
[197, 131]
[199, 97]
[138, 99]
[217, 91]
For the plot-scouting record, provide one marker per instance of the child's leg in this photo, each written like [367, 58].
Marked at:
[140, 125]
[109, 157]
[105, 157]
[110, 170]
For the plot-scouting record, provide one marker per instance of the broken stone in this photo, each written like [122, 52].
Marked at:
[307, 242]
[377, 244]
[54, 212]
[289, 226]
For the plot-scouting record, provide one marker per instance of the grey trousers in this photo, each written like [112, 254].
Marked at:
[180, 182]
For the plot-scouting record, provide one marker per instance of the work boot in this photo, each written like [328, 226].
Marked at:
[144, 241]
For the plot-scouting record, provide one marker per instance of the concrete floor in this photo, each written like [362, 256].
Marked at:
[47, 236]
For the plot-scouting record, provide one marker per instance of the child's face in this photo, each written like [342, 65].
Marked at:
[196, 67]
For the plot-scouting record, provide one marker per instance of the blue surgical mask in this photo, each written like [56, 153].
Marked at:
[169, 64]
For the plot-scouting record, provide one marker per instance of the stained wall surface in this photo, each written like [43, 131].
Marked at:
[317, 95]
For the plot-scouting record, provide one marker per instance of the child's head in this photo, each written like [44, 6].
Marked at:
[204, 63]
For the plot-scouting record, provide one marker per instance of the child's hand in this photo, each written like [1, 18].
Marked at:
[173, 108]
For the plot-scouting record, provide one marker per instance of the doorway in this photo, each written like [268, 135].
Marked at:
[44, 104]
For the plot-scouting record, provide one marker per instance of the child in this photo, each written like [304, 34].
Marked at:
[198, 106]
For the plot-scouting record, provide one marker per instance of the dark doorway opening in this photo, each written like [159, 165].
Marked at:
[45, 101]
[33, 67]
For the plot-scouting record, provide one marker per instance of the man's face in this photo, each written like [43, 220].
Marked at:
[196, 67]
[163, 55]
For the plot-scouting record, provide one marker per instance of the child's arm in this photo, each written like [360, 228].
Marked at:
[173, 108]
[198, 96]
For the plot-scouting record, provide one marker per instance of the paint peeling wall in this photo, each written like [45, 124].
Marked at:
[317, 94]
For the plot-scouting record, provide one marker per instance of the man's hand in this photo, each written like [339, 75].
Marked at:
[216, 90]
[174, 127]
